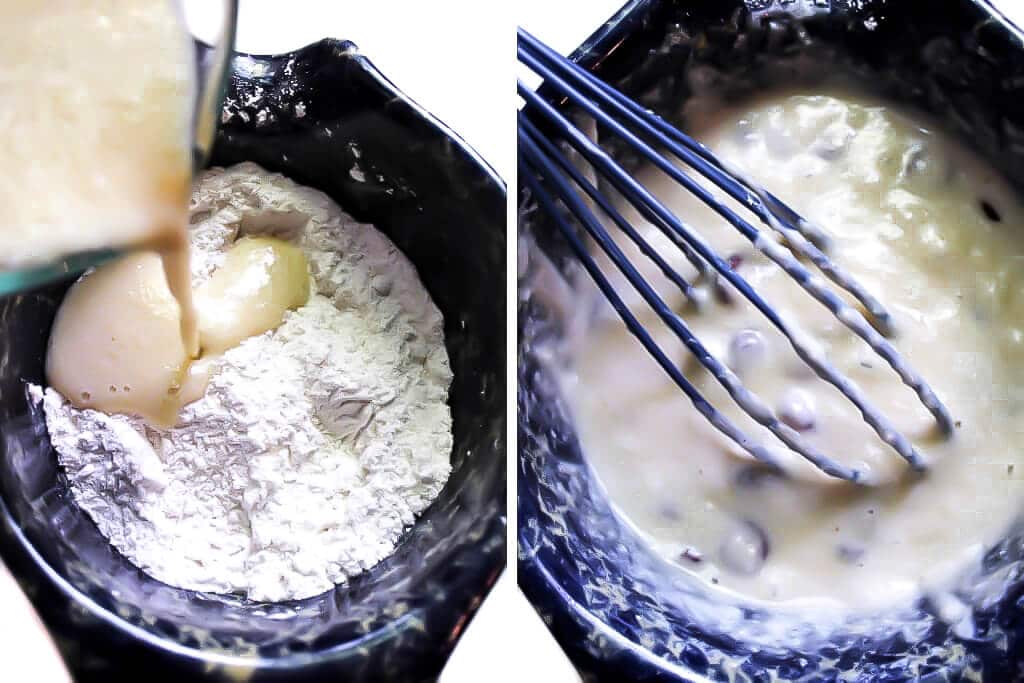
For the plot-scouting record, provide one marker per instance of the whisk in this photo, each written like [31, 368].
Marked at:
[551, 176]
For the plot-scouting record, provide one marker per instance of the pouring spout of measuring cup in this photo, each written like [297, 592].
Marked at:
[210, 84]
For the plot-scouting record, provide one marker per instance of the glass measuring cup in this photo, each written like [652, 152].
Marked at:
[208, 95]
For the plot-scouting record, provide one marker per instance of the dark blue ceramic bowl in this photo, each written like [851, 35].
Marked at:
[619, 611]
[445, 208]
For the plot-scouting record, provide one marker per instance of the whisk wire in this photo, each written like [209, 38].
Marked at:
[542, 162]
[849, 316]
[648, 205]
[688, 290]
[543, 158]
[801, 234]
[734, 183]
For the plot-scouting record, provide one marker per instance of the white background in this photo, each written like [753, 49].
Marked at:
[457, 59]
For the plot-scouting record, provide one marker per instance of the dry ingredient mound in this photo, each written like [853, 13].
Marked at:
[315, 445]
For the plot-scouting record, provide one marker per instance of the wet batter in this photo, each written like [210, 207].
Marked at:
[929, 229]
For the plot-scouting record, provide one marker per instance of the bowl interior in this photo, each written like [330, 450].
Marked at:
[615, 607]
[313, 115]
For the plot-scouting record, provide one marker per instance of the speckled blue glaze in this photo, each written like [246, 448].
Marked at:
[306, 114]
[618, 610]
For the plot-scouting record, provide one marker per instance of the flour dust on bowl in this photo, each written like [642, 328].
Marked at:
[329, 501]
[657, 549]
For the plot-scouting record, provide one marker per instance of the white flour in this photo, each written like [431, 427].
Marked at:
[315, 445]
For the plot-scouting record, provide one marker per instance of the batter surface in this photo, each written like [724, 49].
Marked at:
[929, 229]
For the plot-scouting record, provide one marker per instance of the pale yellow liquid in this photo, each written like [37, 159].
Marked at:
[260, 280]
[116, 344]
